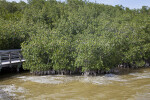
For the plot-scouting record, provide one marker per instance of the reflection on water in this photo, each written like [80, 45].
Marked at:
[132, 86]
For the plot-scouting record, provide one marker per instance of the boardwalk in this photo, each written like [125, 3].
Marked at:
[9, 58]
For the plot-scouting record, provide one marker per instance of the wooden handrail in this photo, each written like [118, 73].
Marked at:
[12, 50]
[10, 58]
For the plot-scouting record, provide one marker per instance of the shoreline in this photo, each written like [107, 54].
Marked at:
[118, 71]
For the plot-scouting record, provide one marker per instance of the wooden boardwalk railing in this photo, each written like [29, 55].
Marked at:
[8, 58]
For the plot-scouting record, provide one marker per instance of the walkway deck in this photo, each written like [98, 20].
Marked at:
[8, 58]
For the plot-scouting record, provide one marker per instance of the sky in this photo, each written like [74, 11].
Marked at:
[132, 4]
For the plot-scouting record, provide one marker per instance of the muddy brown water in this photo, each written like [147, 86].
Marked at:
[24, 86]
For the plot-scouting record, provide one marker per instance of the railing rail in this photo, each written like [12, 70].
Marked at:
[12, 50]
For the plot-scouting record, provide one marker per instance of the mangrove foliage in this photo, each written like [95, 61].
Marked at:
[76, 35]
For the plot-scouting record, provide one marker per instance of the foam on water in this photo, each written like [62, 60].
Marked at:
[130, 86]
[10, 90]
[3, 95]
[47, 79]
[57, 79]
[143, 75]
[99, 80]
[41, 79]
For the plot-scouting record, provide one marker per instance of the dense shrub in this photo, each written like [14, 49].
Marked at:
[75, 35]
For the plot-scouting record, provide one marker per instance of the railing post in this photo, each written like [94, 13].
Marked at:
[10, 58]
[20, 56]
[0, 61]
